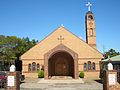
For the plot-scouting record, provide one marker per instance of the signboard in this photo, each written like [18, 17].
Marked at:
[10, 81]
[112, 79]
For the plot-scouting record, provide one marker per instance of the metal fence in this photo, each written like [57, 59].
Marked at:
[118, 76]
[3, 85]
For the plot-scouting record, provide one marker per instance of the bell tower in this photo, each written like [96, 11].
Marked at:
[90, 27]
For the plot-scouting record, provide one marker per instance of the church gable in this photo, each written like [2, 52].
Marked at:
[62, 36]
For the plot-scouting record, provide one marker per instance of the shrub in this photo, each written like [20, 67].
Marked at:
[40, 74]
[81, 75]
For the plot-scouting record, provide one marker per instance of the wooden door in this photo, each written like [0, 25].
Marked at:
[61, 67]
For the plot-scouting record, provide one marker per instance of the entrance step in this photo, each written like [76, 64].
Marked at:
[61, 81]
[61, 77]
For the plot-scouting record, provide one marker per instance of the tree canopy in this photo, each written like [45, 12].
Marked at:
[110, 53]
[12, 47]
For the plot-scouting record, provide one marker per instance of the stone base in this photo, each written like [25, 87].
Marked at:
[61, 78]
[16, 85]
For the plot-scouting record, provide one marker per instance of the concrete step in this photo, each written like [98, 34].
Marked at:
[61, 77]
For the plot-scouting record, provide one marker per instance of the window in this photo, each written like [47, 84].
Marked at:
[38, 66]
[33, 66]
[89, 65]
[29, 67]
[85, 66]
[91, 32]
[93, 66]
[90, 17]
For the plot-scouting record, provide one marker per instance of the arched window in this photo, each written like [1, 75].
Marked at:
[38, 66]
[33, 66]
[85, 66]
[89, 65]
[93, 66]
[90, 17]
[29, 67]
[91, 32]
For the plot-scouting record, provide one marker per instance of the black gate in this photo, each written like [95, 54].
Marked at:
[118, 75]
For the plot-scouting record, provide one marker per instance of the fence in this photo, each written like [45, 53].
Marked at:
[118, 76]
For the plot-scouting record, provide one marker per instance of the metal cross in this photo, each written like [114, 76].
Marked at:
[88, 5]
[60, 38]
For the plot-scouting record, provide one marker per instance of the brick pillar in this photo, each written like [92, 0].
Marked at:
[13, 82]
[110, 80]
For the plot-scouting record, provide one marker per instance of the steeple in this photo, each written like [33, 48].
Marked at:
[90, 27]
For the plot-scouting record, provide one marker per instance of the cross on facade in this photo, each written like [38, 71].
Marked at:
[60, 39]
[88, 5]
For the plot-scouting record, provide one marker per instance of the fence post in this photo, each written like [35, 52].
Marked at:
[13, 82]
[110, 80]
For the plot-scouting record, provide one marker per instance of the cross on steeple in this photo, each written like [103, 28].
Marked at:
[60, 38]
[88, 5]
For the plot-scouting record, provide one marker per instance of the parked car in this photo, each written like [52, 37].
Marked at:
[3, 79]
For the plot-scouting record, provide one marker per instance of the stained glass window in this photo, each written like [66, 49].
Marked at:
[29, 67]
[85, 66]
[33, 66]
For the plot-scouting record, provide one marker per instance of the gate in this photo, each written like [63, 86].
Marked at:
[118, 75]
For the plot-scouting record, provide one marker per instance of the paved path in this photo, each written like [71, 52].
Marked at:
[59, 86]
[40, 84]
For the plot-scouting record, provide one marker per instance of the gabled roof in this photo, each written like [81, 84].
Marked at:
[70, 40]
[115, 58]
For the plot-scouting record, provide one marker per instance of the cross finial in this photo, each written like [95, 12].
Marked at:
[60, 38]
[62, 25]
[88, 5]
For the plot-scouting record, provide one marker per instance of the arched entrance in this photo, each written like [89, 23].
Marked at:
[60, 61]
[61, 64]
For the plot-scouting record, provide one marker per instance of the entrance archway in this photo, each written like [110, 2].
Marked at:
[61, 64]
[67, 60]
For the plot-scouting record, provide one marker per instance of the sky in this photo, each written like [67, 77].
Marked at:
[38, 18]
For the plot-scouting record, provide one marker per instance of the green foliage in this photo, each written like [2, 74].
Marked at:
[81, 75]
[40, 74]
[111, 53]
[12, 47]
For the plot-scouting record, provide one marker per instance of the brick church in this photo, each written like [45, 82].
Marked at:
[62, 53]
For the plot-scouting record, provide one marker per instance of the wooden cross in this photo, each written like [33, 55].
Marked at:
[61, 39]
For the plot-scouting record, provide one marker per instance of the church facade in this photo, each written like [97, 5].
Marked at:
[62, 53]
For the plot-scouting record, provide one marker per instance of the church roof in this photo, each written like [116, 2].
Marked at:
[115, 58]
[70, 40]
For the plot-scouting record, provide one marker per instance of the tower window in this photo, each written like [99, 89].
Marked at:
[91, 32]
[90, 17]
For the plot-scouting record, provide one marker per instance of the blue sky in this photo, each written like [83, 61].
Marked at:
[38, 18]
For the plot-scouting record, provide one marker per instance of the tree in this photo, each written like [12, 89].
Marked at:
[12, 47]
[111, 53]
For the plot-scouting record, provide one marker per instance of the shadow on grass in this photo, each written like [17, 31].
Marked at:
[99, 81]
